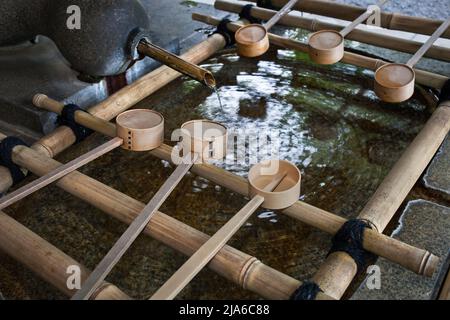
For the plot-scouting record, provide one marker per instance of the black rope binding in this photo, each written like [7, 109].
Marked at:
[350, 238]
[6, 147]
[307, 291]
[267, 4]
[67, 118]
[223, 30]
[445, 92]
[246, 14]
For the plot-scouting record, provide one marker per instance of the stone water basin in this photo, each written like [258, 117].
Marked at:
[330, 124]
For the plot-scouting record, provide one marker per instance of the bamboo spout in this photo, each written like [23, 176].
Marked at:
[175, 62]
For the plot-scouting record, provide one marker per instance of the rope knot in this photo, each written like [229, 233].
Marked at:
[6, 148]
[67, 118]
[267, 4]
[445, 92]
[307, 291]
[349, 239]
[247, 15]
[222, 29]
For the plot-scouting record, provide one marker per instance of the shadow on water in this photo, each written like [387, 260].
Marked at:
[330, 124]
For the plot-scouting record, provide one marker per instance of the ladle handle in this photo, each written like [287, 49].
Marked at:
[427, 45]
[344, 32]
[134, 230]
[81, 117]
[59, 173]
[209, 249]
[202, 256]
[280, 14]
[175, 62]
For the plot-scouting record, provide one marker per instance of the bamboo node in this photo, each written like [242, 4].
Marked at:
[246, 271]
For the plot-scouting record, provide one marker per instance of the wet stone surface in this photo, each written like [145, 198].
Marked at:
[423, 224]
[437, 176]
[329, 123]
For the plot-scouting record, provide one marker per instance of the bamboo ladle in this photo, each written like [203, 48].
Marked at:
[134, 128]
[327, 46]
[394, 82]
[253, 40]
[263, 191]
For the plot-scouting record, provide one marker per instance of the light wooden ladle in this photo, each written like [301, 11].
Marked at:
[252, 40]
[327, 46]
[134, 131]
[394, 82]
[288, 196]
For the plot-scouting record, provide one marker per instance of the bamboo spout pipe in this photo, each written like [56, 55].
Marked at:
[44, 259]
[177, 63]
[389, 20]
[338, 271]
[232, 264]
[417, 260]
[62, 138]
[422, 77]
[380, 40]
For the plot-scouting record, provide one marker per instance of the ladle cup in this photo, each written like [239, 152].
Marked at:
[253, 40]
[275, 183]
[327, 46]
[394, 82]
[139, 130]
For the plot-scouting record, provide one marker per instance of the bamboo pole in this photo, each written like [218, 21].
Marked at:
[181, 278]
[63, 137]
[46, 260]
[58, 173]
[393, 21]
[374, 38]
[338, 271]
[445, 292]
[232, 264]
[433, 80]
[417, 260]
[121, 246]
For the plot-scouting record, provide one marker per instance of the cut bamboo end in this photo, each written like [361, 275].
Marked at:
[38, 99]
[140, 129]
[44, 102]
[430, 265]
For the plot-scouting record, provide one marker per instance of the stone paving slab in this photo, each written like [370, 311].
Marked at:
[423, 224]
[437, 176]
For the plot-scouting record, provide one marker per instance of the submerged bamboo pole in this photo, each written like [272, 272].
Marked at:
[373, 38]
[338, 271]
[63, 137]
[423, 77]
[234, 265]
[417, 260]
[44, 259]
[393, 21]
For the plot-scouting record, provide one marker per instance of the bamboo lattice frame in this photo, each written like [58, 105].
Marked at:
[229, 262]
